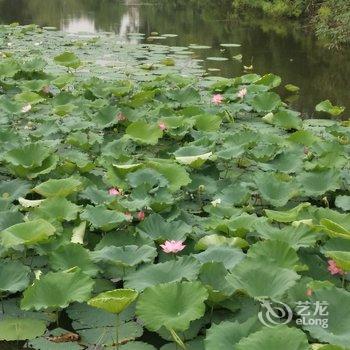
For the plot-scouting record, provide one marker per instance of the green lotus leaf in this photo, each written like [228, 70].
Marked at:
[137, 345]
[213, 276]
[149, 178]
[285, 119]
[143, 132]
[218, 240]
[266, 102]
[157, 228]
[10, 106]
[14, 276]
[174, 173]
[34, 64]
[58, 187]
[29, 97]
[57, 290]
[114, 301]
[192, 155]
[262, 281]
[171, 305]
[274, 190]
[338, 309]
[296, 236]
[333, 229]
[14, 189]
[28, 156]
[327, 107]
[56, 209]
[318, 182]
[72, 255]
[270, 80]
[341, 258]
[274, 252]
[304, 137]
[8, 68]
[288, 215]
[343, 202]
[170, 271]
[106, 116]
[129, 255]
[14, 329]
[101, 217]
[226, 335]
[68, 59]
[229, 256]
[27, 233]
[9, 218]
[208, 122]
[275, 338]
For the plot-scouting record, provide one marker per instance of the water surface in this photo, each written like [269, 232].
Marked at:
[281, 47]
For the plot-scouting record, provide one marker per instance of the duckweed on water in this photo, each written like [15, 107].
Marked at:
[109, 154]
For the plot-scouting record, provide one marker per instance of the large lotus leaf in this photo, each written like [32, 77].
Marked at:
[101, 217]
[274, 190]
[106, 116]
[338, 309]
[275, 338]
[333, 229]
[114, 301]
[327, 107]
[28, 156]
[56, 209]
[192, 155]
[72, 255]
[12, 329]
[219, 240]
[262, 280]
[143, 132]
[285, 119]
[266, 102]
[296, 236]
[171, 305]
[29, 97]
[270, 80]
[8, 68]
[276, 253]
[9, 218]
[147, 177]
[196, 344]
[174, 173]
[57, 290]
[130, 255]
[343, 202]
[226, 335]
[304, 137]
[10, 106]
[14, 189]
[229, 256]
[14, 276]
[170, 271]
[27, 233]
[58, 187]
[68, 59]
[213, 276]
[208, 122]
[137, 345]
[287, 215]
[159, 229]
[319, 181]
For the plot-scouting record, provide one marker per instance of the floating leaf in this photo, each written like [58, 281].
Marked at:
[14, 276]
[68, 59]
[327, 107]
[12, 329]
[58, 187]
[143, 132]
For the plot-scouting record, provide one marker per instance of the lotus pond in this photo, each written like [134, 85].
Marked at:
[145, 205]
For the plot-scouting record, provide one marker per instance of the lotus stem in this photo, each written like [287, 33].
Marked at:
[117, 331]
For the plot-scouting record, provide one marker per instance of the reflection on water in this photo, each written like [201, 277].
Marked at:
[271, 46]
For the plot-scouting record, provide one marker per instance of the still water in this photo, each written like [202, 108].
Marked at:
[281, 47]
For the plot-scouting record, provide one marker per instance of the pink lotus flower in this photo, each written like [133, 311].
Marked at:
[242, 93]
[334, 269]
[217, 99]
[162, 126]
[309, 292]
[172, 246]
[114, 192]
[141, 215]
